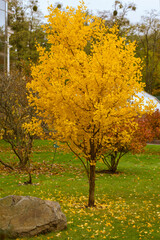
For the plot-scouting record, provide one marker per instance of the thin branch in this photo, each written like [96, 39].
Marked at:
[79, 159]
[6, 165]
[104, 158]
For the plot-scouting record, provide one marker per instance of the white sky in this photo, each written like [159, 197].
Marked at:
[94, 5]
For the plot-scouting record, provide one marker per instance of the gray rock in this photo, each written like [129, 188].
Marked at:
[25, 216]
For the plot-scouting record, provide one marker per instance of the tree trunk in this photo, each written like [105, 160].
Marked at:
[23, 161]
[91, 186]
[113, 163]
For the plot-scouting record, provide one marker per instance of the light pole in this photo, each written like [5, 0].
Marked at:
[9, 32]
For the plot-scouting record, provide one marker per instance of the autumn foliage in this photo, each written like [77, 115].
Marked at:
[80, 96]
[148, 129]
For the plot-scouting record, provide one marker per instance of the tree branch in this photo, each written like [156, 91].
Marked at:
[79, 159]
[6, 165]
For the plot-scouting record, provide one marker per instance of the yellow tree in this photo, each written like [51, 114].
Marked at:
[79, 96]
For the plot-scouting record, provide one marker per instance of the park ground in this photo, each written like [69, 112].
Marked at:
[127, 203]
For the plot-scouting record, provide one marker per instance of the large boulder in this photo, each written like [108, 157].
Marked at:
[25, 216]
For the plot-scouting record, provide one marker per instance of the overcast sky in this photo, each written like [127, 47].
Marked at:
[94, 5]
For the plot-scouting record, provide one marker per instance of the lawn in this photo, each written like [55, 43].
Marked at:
[127, 203]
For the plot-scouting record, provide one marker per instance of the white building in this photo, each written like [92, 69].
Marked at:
[147, 97]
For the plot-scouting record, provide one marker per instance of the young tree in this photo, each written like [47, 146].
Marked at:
[80, 96]
[14, 112]
[147, 129]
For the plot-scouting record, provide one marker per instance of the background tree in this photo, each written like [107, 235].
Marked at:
[148, 38]
[147, 35]
[14, 112]
[26, 23]
[154, 122]
[148, 129]
[118, 16]
[80, 96]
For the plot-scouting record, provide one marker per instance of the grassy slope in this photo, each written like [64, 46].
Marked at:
[128, 203]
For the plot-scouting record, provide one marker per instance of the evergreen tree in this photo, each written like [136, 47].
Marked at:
[26, 24]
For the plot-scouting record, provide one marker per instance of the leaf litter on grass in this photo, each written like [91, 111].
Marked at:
[133, 215]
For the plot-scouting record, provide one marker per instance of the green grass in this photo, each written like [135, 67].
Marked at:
[127, 203]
